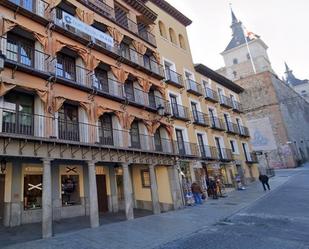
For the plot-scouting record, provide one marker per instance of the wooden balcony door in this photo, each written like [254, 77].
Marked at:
[102, 193]
[180, 142]
[68, 123]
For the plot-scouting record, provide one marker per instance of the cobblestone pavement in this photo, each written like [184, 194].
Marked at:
[236, 218]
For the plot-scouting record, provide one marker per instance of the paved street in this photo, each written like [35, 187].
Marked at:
[245, 219]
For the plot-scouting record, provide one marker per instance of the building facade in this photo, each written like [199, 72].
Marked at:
[300, 86]
[206, 114]
[278, 117]
[95, 117]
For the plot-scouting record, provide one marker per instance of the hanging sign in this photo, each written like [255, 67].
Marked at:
[83, 27]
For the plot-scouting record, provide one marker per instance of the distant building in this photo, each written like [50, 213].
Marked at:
[278, 117]
[300, 86]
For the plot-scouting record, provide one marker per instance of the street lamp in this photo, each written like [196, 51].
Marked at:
[2, 59]
[160, 110]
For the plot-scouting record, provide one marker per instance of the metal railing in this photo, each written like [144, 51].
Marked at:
[243, 131]
[73, 73]
[27, 56]
[100, 7]
[158, 103]
[37, 7]
[146, 35]
[125, 22]
[237, 106]
[217, 123]
[208, 152]
[225, 101]
[187, 149]
[232, 127]
[108, 86]
[138, 97]
[142, 60]
[173, 77]
[200, 118]
[251, 157]
[29, 125]
[179, 111]
[194, 87]
[211, 94]
[225, 154]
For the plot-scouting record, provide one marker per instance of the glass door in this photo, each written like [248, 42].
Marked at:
[135, 136]
[174, 105]
[68, 123]
[180, 142]
[106, 134]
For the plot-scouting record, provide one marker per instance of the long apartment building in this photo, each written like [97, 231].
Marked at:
[209, 125]
[102, 110]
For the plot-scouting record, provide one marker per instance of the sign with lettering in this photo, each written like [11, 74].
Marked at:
[83, 27]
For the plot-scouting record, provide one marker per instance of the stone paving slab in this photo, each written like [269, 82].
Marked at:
[155, 230]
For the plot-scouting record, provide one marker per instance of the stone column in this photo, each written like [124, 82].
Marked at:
[128, 192]
[47, 209]
[114, 192]
[175, 187]
[154, 190]
[93, 195]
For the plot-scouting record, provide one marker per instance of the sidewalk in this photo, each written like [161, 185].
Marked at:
[155, 230]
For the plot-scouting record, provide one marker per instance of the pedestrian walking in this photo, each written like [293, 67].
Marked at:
[264, 180]
[196, 191]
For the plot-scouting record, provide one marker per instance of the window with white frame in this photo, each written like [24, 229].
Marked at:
[234, 147]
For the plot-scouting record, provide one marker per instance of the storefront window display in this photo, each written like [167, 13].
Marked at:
[32, 191]
[70, 190]
[186, 181]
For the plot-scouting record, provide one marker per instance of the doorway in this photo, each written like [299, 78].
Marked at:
[102, 193]
[2, 180]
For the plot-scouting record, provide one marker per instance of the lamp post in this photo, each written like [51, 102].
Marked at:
[161, 110]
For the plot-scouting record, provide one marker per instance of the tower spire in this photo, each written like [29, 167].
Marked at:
[234, 18]
[287, 69]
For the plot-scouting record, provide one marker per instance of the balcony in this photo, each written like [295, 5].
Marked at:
[144, 62]
[180, 112]
[159, 103]
[209, 152]
[127, 23]
[173, 78]
[194, 87]
[71, 73]
[225, 155]
[109, 87]
[217, 123]
[251, 158]
[33, 126]
[225, 101]
[200, 118]
[187, 149]
[211, 95]
[34, 9]
[99, 7]
[237, 107]
[147, 36]
[232, 128]
[243, 131]
[27, 59]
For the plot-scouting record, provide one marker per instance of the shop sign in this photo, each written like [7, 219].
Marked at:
[97, 34]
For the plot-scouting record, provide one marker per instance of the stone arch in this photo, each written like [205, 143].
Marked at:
[172, 35]
[162, 29]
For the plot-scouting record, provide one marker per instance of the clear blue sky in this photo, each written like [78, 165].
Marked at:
[282, 25]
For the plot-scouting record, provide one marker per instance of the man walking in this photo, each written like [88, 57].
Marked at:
[196, 191]
[264, 180]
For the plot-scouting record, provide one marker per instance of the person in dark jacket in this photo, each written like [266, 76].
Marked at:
[213, 188]
[264, 180]
[196, 191]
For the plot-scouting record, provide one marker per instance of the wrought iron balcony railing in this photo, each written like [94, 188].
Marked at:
[225, 101]
[37, 7]
[187, 149]
[99, 7]
[225, 155]
[251, 157]
[29, 125]
[200, 118]
[173, 78]
[232, 128]
[217, 123]
[237, 107]
[159, 103]
[26, 56]
[211, 95]
[147, 36]
[194, 87]
[108, 86]
[180, 112]
[243, 131]
[209, 152]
